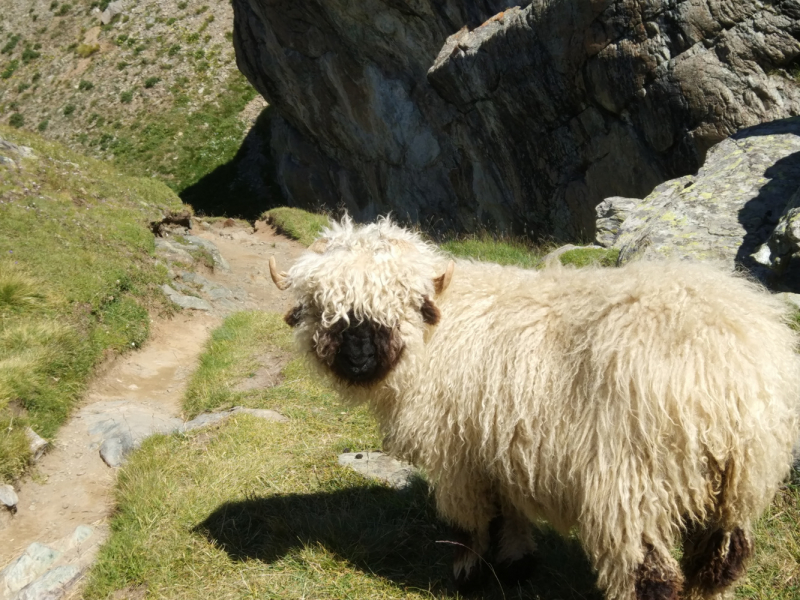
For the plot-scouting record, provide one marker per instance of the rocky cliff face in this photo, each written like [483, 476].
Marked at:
[517, 117]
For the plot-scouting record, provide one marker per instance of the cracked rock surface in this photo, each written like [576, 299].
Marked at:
[729, 210]
[513, 115]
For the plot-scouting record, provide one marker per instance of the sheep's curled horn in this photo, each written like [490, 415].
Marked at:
[278, 278]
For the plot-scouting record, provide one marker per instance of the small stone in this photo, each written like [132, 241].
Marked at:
[113, 450]
[79, 536]
[378, 465]
[37, 445]
[8, 497]
[185, 301]
[229, 223]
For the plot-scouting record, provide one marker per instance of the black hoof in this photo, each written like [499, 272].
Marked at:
[516, 571]
[470, 583]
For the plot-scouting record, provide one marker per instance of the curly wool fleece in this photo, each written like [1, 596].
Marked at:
[629, 403]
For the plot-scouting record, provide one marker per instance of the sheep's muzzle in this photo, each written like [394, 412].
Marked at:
[361, 353]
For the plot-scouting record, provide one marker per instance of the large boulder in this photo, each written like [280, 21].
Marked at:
[479, 112]
[730, 211]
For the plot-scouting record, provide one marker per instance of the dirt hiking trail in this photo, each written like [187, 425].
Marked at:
[64, 505]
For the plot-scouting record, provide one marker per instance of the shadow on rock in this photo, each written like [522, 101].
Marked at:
[243, 187]
[393, 534]
[760, 216]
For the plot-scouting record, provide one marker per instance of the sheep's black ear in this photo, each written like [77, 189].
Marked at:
[430, 314]
[292, 318]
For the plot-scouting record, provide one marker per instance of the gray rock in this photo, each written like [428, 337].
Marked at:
[172, 251]
[219, 260]
[80, 536]
[117, 427]
[36, 559]
[785, 239]
[185, 301]
[728, 210]
[611, 212]
[113, 9]
[8, 497]
[114, 449]
[793, 299]
[37, 445]
[516, 115]
[378, 465]
[12, 148]
[52, 585]
[213, 418]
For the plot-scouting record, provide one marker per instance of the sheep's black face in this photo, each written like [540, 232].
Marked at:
[361, 353]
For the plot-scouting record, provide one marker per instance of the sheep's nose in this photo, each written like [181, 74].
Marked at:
[356, 357]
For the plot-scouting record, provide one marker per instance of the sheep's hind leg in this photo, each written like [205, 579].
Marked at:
[713, 559]
[514, 555]
[657, 577]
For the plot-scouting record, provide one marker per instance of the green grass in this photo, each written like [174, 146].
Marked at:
[76, 279]
[502, 251]
[584, 257]
[296, 223]
[231, 354]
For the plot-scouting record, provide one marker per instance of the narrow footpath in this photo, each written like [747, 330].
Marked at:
[63, 507]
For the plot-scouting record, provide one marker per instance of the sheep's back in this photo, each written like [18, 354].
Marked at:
[669, 375]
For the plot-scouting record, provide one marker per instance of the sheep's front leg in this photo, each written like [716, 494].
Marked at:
[514, 555]
[467, 503]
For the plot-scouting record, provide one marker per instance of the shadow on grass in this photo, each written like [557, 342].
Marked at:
[245, 186]
[394, 535]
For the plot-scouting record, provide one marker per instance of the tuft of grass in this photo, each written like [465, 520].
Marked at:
[9, 70]
[151, 82]
[16, 120]
[85, 86]
[77, 276]
[86, 50]
[18, 290]
[584, 257]
[15, 451]
[126, 97]
[504, 251]
[296, 223]
[231, 354]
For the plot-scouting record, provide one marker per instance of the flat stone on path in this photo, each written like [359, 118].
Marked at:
[217, 417]
[52, 586]
[8, 497]
[378, 465]
[185, 301]
[36, 560]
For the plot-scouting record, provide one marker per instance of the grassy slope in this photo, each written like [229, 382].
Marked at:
[73, 232]
[254, 509]
[296, 223]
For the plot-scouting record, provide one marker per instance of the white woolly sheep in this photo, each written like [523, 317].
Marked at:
[644, 406]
